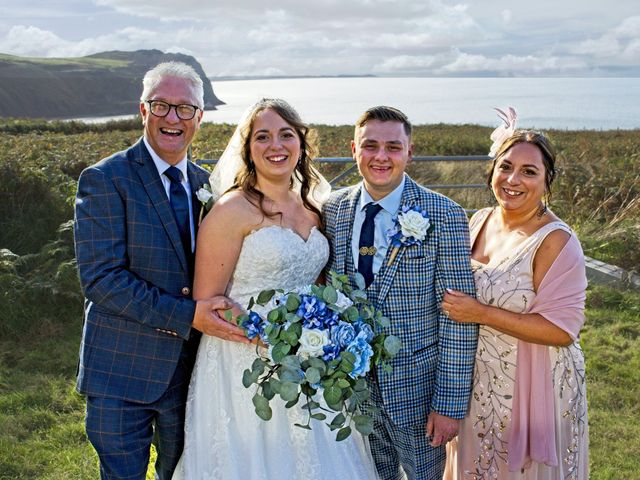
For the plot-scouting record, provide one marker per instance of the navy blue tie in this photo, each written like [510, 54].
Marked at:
[366, 249]
[180, 205]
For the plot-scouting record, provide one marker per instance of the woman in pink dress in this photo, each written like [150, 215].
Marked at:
[527, 414]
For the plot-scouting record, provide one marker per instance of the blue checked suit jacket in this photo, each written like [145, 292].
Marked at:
[433, 371]
[135, 277]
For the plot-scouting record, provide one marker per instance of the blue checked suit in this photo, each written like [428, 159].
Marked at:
[136, 279]
[433, 371]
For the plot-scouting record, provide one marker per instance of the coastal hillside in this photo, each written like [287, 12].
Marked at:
[102, 84]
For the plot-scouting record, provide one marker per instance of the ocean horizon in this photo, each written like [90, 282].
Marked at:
[558, 103]
[569, 103]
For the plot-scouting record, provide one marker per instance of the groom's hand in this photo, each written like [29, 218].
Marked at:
[208, 320]
[441, 429]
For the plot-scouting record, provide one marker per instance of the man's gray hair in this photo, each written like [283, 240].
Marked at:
[173, 69]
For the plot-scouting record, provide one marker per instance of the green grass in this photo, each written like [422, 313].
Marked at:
[76, 61]
[41, 416]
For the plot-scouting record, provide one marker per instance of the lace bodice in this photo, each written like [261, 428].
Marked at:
[277, 257]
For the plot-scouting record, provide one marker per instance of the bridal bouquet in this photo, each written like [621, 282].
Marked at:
[319, 338]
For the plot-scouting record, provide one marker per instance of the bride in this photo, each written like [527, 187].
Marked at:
[263, 232]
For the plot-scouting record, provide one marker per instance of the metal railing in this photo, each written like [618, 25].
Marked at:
[423, 158]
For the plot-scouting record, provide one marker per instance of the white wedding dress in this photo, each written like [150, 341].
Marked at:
[224, 438]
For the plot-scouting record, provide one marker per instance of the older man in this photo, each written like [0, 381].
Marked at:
[135, 235]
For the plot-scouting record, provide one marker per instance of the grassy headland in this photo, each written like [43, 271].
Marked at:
[41, 417]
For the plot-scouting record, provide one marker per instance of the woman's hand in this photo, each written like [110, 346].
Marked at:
[461, 307]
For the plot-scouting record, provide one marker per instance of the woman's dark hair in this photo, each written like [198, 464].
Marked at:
[246, 178]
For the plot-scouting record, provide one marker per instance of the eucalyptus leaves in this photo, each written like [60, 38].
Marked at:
[320, 338]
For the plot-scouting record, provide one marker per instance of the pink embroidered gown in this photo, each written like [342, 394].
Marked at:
[480, 451]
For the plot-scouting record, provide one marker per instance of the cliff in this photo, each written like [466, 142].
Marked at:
[103, 84]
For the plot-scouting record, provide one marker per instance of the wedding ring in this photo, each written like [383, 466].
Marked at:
[446, 312]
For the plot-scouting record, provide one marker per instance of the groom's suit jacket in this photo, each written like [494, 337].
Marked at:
[433, 370]
[135, 276]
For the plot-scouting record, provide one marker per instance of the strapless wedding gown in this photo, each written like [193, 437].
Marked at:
[224, 438]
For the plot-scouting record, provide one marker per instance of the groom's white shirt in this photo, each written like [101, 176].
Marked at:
[383, 221]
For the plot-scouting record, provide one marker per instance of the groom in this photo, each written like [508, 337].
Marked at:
[422, 399]
[135, 231]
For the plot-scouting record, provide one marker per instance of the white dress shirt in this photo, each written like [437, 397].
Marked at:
[161, 165]
[384, 220]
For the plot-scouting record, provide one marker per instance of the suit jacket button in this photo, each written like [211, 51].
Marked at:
[186, 291]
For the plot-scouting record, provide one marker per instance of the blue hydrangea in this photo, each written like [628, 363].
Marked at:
[331, 352]
[363, 352]
[254, 325]
[315, 313]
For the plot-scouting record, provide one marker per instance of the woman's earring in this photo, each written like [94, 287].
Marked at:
[543, 209]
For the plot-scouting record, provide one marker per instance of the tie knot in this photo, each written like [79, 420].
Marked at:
[173, 174]
[371, 210]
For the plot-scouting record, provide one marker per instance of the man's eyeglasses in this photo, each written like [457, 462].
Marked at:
[162, 109]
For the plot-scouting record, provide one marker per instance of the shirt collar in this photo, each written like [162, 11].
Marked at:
[161, 165]
[390, 203]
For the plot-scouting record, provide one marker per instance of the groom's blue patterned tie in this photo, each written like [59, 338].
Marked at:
[365, 246]
[180, 205]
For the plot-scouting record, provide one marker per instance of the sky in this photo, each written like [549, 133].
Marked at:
[572, 38]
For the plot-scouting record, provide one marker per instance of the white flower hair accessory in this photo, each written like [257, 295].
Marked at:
[504, 131]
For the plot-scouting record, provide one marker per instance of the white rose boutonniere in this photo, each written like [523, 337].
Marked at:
[411, 228]
[206, 199]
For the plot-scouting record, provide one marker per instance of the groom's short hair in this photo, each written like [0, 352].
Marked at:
[385, 114]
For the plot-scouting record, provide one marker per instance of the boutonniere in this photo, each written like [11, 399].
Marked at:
[411, 228]
[206, 199]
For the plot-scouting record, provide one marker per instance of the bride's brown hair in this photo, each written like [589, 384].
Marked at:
[246, 177]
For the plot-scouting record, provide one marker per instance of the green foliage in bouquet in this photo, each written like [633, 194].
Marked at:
[319, 338]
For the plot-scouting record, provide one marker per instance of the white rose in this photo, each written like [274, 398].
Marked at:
[414, 224]
[343, 302]
[204, 195]
[312, 342]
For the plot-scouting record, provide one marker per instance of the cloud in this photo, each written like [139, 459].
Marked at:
[617, 45]
[33, 41]
[399, 37]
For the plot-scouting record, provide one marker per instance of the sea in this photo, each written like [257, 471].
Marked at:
[542, 103]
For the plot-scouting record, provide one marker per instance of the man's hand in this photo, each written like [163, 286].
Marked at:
[232, 313]
[208, 320]
[441, 429]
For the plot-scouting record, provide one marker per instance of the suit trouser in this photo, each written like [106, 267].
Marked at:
[122, 431]
[402, 452]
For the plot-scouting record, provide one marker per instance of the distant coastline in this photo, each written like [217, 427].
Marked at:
[103, 84]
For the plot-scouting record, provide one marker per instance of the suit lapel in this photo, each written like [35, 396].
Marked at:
[152, 183]
[196, 181]
[384, 278]
[344, 229]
